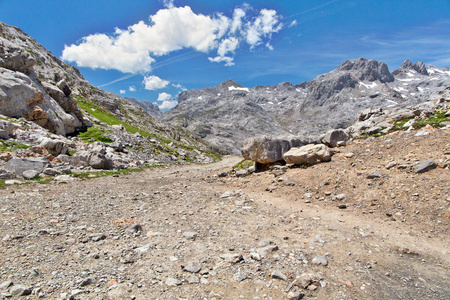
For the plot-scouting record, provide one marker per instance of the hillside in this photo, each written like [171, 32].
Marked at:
[40, 88]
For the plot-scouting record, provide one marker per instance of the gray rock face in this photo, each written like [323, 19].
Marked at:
[309, 154]
[269, 149]
[333, 137]
[227, 114]
[20, 165]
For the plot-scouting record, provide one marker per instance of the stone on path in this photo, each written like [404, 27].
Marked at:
[425, 166]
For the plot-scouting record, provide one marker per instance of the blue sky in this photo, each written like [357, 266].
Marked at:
[153, 50]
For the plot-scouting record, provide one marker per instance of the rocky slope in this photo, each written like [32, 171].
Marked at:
[68, 115]
[229, 113]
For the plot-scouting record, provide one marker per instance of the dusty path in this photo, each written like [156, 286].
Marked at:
[202, 236]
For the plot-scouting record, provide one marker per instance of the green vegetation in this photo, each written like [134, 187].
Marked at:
[243, 165]
[434, 120]
[11, 146]
[94, 134]
[2, 184]
[104, 115]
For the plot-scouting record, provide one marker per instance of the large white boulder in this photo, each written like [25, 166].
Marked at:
[310, 154]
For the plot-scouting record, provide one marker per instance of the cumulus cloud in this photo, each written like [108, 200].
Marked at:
[122, 92]
[136, 48]
[179, 86]
[226, 59]
[167, 101]
[267, 23]
[154, 83]
[236, 24]
[132, 88]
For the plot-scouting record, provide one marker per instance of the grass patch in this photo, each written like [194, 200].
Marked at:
[11, 146]
[2, 184]
[434, 120]
[104, 115]
[94, 134]
[243, 165]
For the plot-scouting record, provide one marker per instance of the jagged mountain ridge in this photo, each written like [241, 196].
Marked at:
[228, 113]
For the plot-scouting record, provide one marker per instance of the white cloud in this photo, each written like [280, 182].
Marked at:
[269, 46]
[226, 59]
[132, 88]
[293, 23]
[164, 97]
[167, 101]
[267, 23]
[227, 45]
[179, 86]
[101, 51]
[168, 105]
[236, 24]
[154, 83]
[122, 92]
[136, 48]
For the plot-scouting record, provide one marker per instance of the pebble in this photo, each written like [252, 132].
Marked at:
[320, 260]
[190, 235]
[294, 296]
[20, 290]
[240, 276]
[391, 165]
[173, 282]
[374, 175]
[5, 284]
[134, 229]
[191, 278]
[425, 166]
[278, 275]
[193, 267]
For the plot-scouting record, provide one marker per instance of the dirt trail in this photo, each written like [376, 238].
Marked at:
[184, 233]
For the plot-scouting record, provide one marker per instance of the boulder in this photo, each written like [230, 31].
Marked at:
[335, 136]
[80, 159]
[6, 175]
[309, 154]
[30, 174]
[269, 149]
[54, 147]
[100, 161]
[19, 165]
[6, 129]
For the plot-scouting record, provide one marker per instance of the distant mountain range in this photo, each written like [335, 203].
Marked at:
[227, 114]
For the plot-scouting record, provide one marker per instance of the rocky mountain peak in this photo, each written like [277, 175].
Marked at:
[370, 70]
[407, 65]
[230, 83]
